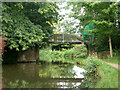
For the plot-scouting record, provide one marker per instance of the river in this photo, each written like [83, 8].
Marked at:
[32, 75]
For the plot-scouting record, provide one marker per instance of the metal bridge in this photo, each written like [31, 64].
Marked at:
[73, 39]
[65, 39]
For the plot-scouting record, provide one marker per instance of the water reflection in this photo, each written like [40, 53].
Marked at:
[78, 71]
[42, 76]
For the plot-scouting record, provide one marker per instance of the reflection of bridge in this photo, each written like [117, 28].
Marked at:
[72, 42]
[66, 39]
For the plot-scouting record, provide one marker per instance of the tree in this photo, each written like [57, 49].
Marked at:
[44, 14]
[105, 18]
[27, 24]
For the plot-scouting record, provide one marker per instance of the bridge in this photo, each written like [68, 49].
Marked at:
[73, 39]
[66, 39]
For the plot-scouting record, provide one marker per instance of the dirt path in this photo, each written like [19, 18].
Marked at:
[114, 65]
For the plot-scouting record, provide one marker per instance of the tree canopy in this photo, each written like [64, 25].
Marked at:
[28, 24]
[104, 16]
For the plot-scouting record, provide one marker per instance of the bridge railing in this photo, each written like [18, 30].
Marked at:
[67, 37]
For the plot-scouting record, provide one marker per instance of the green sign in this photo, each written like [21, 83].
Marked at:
[87, 34]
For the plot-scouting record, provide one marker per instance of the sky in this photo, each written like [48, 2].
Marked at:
[67, 12]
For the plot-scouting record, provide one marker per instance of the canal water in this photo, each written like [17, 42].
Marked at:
[31, 75]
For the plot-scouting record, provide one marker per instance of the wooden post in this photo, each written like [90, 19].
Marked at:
[110, 45]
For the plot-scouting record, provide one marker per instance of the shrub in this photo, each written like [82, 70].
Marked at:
[45, 54]
[77, 51]
[91, 74]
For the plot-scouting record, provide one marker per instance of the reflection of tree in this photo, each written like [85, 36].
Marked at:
[16, 74]
[18, 83]
[56, 71]
[44, 71]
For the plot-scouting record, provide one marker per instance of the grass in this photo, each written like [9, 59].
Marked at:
[112, 60]
[109, 77]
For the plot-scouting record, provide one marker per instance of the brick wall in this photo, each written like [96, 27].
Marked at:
[0, 45]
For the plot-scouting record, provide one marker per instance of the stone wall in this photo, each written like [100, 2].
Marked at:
[32, 54]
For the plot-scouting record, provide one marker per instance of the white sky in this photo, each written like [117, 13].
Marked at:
[62, 11]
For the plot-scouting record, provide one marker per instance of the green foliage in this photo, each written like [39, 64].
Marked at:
[105, 19]
[78, 51]
[48, 55]
[22, 26]
[17, 85]
[92, 66]
[99, 74]
[91, 74]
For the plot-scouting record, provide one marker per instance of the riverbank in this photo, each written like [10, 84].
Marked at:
[100, 74]
[109, 76]
[106, 76]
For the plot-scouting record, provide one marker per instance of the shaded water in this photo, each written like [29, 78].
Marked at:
[31, 75]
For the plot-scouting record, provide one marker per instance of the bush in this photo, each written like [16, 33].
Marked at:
[45, 54]
[77, 51]
[91, 74]
[92, 66]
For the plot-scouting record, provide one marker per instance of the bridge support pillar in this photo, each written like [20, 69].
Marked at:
[30, 55]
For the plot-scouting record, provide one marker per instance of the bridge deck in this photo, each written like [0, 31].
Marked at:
[73, 42]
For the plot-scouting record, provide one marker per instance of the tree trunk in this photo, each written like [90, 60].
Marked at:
[110, 45]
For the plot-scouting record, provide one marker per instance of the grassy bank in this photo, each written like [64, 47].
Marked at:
[99, 74]
[109, 76]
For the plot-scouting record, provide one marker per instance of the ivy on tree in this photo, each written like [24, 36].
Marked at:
[27, 24]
